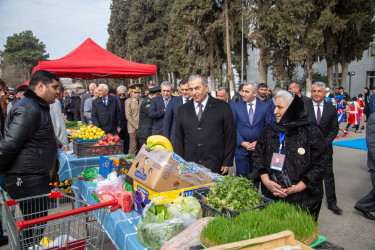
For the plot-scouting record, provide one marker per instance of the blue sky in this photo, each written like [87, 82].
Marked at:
[61, 25]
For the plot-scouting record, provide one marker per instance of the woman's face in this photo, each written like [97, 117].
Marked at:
[280, 108]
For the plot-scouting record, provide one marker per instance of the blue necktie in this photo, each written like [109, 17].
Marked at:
[104, 101]
[166, 103]
[251, 114]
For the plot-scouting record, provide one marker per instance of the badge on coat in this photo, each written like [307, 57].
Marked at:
[277, 162]
[301, 151]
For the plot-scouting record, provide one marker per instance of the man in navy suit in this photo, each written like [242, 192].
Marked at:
[251, 115]
[105, 114]
[158, 106]
[121, 98]
[170, 116]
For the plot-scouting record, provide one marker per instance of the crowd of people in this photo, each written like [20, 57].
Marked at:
[280, 139]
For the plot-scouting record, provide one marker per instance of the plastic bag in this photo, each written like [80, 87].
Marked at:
[188, 171]
[187, 208]
[61, 240]
[154, 227]
[113, 188]
[90, 174]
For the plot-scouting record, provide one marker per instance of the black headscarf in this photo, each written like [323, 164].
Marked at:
[295, 116]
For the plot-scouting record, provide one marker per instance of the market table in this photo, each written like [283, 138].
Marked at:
[71, 165]
[121, 227]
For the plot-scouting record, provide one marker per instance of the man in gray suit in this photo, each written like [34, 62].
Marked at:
[84, 97]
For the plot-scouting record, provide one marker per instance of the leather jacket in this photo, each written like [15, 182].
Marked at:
[29, 146]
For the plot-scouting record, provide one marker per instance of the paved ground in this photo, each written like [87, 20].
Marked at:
[349, 230]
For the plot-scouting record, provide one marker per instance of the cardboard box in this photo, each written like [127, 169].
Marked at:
[143, 195]
[162, 170]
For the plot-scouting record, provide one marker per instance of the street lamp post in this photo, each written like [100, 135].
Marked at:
[350, 73]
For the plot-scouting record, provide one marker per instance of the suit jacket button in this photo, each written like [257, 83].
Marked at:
[199, 128]
[200, 161]
[200, 145]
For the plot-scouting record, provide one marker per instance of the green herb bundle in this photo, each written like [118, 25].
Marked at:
[234, 192]
[274, 218]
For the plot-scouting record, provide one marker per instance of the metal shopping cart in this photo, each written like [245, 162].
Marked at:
[51, 221]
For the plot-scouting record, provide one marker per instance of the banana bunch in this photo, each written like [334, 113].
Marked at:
[158, 142]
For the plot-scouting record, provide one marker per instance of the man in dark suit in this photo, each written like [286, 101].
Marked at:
[145, 123]
[324, 114]
[251, 115]
[92, 87]
[296, 87]
[158, 106]
[105, 113]
[205, 130]
[169, 122]
[222, 93]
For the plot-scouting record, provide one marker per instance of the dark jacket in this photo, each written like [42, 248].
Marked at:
[77, 109]
[106, 117]
[169, 122]
[328, 123]
[212, 140]
[156, 112]
[305, 153]
[29, 146]
[145, 123]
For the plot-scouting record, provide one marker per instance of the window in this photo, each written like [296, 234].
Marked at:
[370, 79]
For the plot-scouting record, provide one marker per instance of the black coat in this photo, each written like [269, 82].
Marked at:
[157, 112]
[29, 146]
[145, 123]
[210, 142]
[106, 117]
[328, 123]
[77, 109]
[305, 157]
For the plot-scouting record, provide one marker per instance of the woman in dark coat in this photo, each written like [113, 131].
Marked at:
[305, 155]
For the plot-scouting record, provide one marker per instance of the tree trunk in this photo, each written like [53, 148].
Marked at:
[229, 57]
[262, 66]
[337, 80]
[212, 66]
[308, 71]
[344, 74]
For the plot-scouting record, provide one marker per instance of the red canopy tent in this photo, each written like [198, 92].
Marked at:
[90, 61]
[25, 83]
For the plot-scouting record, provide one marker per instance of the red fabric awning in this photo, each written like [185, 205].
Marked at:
[90, 61]
[25, 83]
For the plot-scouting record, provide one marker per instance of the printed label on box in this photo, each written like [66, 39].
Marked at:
[141, 174]
[184, 166]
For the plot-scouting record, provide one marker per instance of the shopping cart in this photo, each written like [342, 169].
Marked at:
[53, 221]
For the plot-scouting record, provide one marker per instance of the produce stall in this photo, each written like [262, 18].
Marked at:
[168, 203]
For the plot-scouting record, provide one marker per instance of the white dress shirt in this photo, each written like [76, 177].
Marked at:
[204, 103]
[253, 107]
[316, 108]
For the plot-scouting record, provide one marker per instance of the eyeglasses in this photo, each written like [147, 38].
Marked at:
[122, 94]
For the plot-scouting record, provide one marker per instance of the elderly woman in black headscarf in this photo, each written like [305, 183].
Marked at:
[301, 149]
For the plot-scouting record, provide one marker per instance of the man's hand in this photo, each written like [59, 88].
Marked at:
[273, 186]
[224, 170]
[246, 145]
[66, 149]
[252, 146]
[118, 130]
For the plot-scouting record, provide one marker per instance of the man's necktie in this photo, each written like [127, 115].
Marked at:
[104, 102]
[166, 103]
[251, 113]
[318, 114]
[200, 112]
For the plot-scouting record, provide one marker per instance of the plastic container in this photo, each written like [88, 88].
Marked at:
[200, 194]
[86, 149]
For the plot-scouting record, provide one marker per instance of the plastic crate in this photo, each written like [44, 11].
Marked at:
[86, 149]
[200, 194]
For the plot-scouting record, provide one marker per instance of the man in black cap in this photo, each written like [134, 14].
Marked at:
[20, 90]
[132, 106]
[146, 123]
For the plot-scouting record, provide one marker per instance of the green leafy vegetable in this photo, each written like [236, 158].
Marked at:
[274, 218]
[234, 192]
